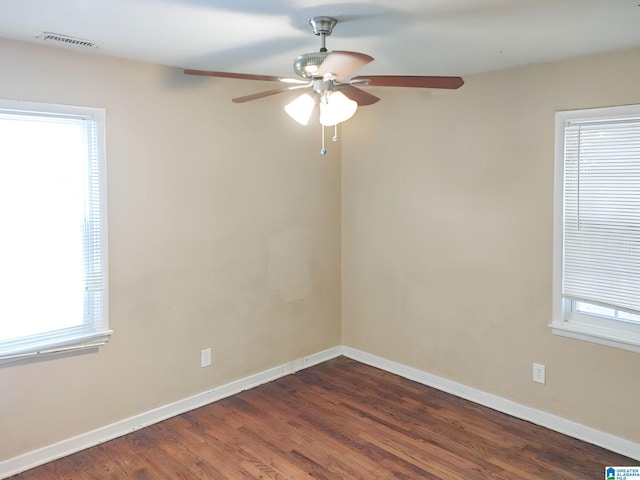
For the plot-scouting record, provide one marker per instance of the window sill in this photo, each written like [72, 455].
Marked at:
[609, 337]
[80, 344]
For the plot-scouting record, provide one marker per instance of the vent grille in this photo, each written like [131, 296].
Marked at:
[67, 40]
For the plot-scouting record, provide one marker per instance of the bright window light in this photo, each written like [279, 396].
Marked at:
[41, 207]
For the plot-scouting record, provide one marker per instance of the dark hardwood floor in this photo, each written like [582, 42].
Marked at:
[338, 420]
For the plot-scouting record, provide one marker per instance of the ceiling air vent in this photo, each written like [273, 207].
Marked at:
[67, 40]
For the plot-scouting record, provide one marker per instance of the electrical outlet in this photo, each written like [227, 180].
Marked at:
[205, 357]
[538, 373]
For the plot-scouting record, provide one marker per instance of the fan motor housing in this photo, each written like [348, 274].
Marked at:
[306, 65]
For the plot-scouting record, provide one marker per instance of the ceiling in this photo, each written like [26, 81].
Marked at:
[409, 37]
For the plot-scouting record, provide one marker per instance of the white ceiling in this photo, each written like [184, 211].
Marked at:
[408, 37]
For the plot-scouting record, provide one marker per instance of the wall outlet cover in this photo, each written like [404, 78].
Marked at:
[205, 357]
[538, 373]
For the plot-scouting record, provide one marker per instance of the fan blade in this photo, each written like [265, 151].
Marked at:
[268, 93]
[244, 76]
[359, 96]
[341, 64]
[409, 81]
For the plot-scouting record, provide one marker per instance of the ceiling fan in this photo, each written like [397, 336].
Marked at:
[326, 74]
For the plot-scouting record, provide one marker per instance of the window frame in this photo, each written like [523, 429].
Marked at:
[566, 321]
[92, 333]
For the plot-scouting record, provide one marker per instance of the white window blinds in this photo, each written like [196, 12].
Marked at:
[601, 215]
[53, 249]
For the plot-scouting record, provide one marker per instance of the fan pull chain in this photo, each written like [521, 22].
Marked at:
[323, 151]
[336, 138]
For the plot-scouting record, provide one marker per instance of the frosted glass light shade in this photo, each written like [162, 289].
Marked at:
[336, 108]
[301, 108]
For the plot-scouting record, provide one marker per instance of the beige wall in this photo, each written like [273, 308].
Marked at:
[447, 238]
[224, 232]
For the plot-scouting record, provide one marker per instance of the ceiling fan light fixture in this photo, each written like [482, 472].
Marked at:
[301, 108]
[336, 108]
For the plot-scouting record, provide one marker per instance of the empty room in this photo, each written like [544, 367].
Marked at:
[330, 240]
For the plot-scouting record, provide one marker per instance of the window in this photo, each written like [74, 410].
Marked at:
[53, 251]
[597, 226]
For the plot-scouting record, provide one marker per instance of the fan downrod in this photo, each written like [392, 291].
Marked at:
[322, 26]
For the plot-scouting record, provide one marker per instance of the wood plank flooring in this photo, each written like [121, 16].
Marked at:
[338, 420]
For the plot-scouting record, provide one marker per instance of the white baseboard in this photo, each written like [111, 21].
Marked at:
[552, 422]
[66, 447]
[61, 449]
